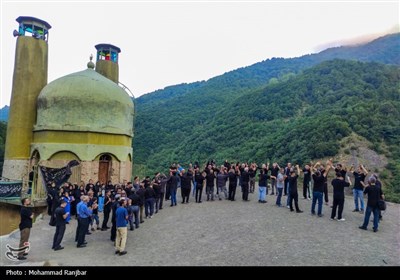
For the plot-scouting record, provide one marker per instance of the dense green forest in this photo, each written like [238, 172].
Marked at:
[280, 109]
[297, 120]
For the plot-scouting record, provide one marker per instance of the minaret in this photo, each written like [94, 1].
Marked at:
[107, 61]
[30, 76]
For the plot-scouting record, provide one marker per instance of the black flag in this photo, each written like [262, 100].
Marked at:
[57, 175]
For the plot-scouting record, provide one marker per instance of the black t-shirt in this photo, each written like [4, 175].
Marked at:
[293, 184]
[374, 194]
[274, 171]
[318, 183]
[307, 175]
[262, 181]
[26, 221]
[338, 187]
[60, 211]
[358, 178]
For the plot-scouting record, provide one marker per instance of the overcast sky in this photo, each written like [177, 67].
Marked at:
[165, 43]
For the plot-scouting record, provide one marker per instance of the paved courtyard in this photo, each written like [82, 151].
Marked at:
[225, 233]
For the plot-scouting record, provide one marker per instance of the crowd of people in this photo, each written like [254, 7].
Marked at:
[130, 202]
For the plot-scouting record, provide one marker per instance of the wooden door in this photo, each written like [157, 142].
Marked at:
[103, 171]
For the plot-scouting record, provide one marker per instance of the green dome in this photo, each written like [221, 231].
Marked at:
[85, 101]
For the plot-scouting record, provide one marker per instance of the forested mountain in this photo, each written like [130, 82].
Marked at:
[4, 113]
[279, 109]
[177, 111]
[383, 49]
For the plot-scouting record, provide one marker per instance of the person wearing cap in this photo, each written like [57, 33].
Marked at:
[61, 220]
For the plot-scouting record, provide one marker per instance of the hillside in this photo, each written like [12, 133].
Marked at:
[297, 120]
[171, 113]
[383, 49]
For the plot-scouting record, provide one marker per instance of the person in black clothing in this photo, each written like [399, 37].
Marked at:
[163, 186]
[288, 168]
[140, 193]
[293, 194]
[61, 217]
[245, 184]
[318, 189]
[186, 185]
[25, 226]
[252, 177]
[199, 177]
[274, 173]
[338, 196]
[173, 186]
[210, 178]
[232, 175]
[107, 210]
[114, 207]
[50, 196]
[157, 190]
[306, 181]
[149, 196]
[378, 183]
[374, 194]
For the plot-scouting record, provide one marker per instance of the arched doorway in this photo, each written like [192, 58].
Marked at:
[33, 187]
[104, 167]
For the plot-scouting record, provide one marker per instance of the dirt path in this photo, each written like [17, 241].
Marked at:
[232, 234]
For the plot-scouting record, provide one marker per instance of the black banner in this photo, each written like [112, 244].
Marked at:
[10, 189]
[57, 175]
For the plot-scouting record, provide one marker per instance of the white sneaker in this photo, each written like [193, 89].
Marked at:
[342, 219]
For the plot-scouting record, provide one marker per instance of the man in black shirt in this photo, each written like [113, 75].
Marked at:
[338, 196]
[293, 194]
[318, 190]
[107, 210]
[374, 194]
[306, 181]
[61, 215]
[25, 226]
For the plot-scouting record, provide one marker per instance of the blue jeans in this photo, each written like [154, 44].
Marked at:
[368, 211]
[194, 187]
[317, 196]
[173, 197]
[149, 206]
[288, 194]
[261, 193]
[278, 199]
[358, 194]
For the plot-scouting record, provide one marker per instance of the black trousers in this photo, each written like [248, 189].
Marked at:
[326, 192]
[58, 236]
[199, 191]
[245, 190]
[185, 194]
[232, 191]
[337, 201]
[106, 217]
[114, 229]
[167, 192]
[83, 225]
[306, 187]
[295, 197]
[49, 206]
[161, 200]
